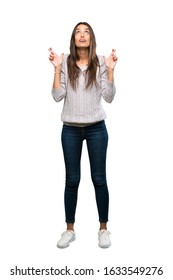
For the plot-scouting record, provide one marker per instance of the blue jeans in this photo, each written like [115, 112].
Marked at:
[96, 137]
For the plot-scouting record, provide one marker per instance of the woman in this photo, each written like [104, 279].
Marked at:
[82, 78]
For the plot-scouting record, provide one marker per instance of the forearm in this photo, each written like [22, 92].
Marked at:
[110, 74]
[57, 77]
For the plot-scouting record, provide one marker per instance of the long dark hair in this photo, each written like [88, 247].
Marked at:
[93, 62]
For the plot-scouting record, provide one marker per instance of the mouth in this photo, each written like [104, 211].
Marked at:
[82, 40]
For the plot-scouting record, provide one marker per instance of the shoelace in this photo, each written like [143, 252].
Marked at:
[66, 233]
[105, 233]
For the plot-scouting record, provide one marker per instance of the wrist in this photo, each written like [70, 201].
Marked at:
[57, 70]
[109, 69]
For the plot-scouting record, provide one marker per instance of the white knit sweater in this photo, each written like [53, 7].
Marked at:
[84, 106]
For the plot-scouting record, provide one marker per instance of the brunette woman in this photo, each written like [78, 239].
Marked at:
[82, 78]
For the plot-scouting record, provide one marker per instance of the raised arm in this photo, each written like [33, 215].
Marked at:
[57, 63]
[108, 89]
[110, 62]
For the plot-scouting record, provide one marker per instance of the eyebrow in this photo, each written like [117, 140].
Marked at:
[84, 28]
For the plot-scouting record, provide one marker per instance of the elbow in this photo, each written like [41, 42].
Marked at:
[56, 98]
[109, 92]
[57, 94]
[110, 99]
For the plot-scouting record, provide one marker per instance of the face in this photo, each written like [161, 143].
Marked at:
[82, 36]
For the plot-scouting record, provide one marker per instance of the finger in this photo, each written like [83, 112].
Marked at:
[114, 55]
[50, 49]
[113, 51]
[51, 57]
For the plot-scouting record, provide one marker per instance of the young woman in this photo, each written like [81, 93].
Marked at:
[82, 79]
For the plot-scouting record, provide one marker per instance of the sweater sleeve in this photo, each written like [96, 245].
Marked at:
[108, 88]
[60, 93]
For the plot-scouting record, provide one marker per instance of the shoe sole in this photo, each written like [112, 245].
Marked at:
[104, 246]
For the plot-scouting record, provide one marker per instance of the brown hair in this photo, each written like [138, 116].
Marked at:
[93, 62]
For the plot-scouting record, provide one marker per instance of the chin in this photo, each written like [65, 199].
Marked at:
[83, 46]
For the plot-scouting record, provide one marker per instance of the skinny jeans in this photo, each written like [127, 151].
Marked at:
[72, 138]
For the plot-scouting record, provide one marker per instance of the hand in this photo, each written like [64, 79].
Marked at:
[111, 61]
[55, 59]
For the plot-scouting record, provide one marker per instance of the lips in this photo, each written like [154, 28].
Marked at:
[82, 41]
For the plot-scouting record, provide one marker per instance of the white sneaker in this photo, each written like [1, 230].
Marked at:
[104, 238]
[66, 237]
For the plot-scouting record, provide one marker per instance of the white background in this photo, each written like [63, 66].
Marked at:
[139, 121]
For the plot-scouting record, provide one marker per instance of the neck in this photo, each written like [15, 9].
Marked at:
[83, 55]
